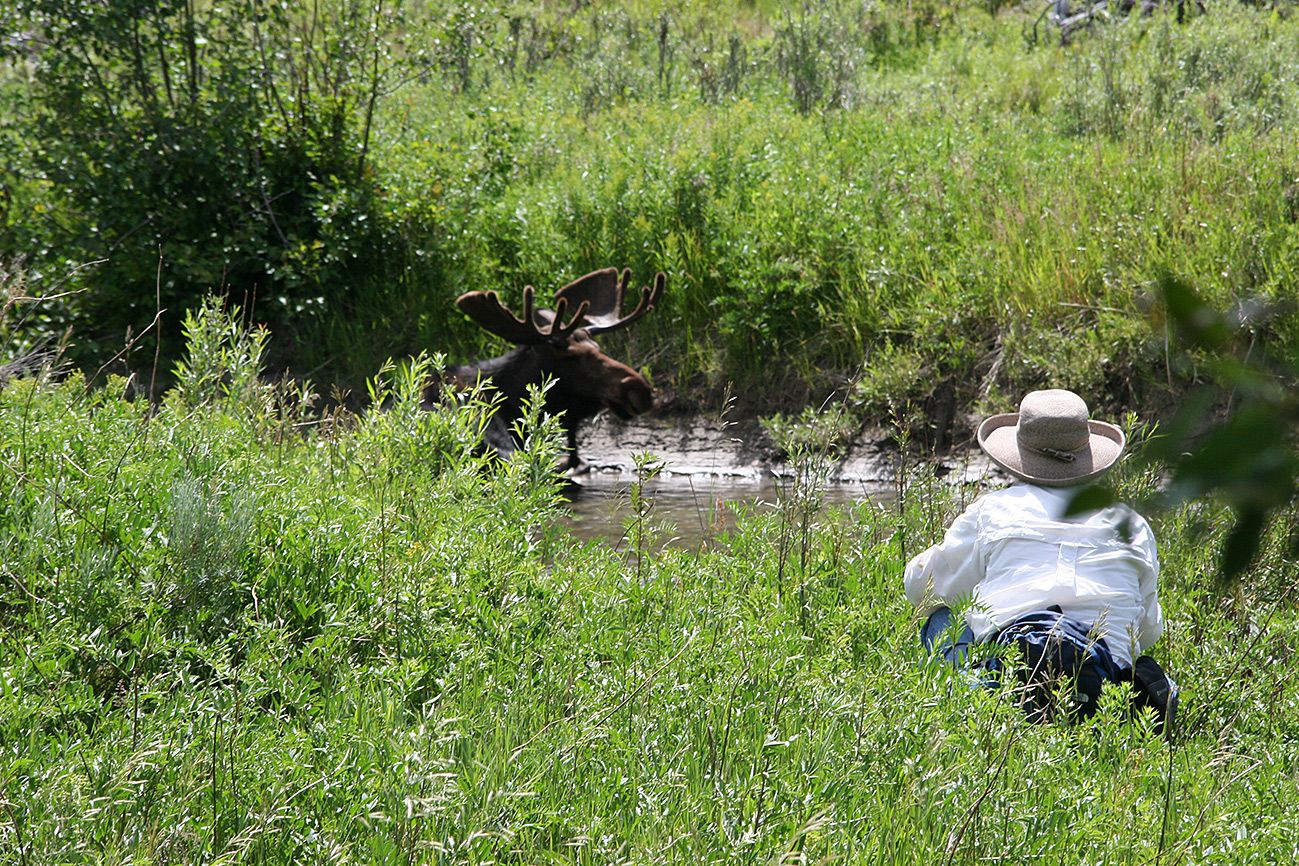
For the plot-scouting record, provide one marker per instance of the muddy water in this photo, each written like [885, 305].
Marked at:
[689, 510]
[709, 469]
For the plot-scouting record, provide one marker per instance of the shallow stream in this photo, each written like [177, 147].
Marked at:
[691, 509]
[710, 469]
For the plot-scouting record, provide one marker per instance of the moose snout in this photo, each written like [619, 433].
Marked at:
[635, 397]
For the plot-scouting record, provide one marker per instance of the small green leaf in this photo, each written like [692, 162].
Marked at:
[1091, 498]
[1242, 543]
[1198, 322]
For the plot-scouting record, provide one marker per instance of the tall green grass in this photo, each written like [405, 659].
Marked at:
[977, 217]
[231, 631]
[914, 197]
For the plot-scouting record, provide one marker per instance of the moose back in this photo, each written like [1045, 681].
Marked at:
[553, 344]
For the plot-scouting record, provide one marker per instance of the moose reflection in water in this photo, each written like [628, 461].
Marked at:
[547, 345]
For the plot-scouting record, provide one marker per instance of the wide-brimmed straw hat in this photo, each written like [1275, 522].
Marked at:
[1051, 440]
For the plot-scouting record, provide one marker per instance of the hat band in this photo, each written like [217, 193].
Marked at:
[1066, 456]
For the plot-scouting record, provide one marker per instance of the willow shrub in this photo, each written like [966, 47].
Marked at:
[160, 152]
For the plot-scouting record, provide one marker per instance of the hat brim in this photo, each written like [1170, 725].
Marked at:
[998, 436]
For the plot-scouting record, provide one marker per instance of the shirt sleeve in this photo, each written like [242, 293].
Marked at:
[950, 570]
[1152, 618]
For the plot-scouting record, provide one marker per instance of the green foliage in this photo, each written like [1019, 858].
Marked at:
[1251, 457]
[220, 643]
[817, 54]
[906, 195]
[1233, 438]
[224, 360]
[973, 225]
[198, 148]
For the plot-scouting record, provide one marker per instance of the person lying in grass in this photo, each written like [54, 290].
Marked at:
[1078, 594]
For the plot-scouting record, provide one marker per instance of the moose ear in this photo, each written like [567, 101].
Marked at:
[601, 290]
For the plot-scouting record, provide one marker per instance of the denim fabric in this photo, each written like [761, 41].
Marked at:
[1069, 643]
[1035, 634]
[936, 630]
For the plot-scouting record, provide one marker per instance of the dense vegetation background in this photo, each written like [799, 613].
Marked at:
[925, 205]
[235, 628]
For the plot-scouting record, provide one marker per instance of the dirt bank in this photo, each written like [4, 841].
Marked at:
[695, 445]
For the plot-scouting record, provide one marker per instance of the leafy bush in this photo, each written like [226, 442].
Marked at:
[190, 149]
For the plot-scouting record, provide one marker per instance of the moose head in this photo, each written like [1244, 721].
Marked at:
[554, 344]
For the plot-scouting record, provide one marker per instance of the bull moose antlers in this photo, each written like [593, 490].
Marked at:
[596, 299]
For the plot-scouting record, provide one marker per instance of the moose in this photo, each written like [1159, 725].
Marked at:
[549, 345]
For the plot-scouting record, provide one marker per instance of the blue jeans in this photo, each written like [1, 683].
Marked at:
[936, 637]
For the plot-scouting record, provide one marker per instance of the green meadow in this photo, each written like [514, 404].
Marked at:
[235, 631]
[250, 620]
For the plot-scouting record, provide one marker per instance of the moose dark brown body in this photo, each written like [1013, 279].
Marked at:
[585, 379]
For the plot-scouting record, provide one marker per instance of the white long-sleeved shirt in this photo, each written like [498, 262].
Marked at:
[1012, 551]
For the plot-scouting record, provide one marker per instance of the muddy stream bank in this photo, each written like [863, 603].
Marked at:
[710, 468]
